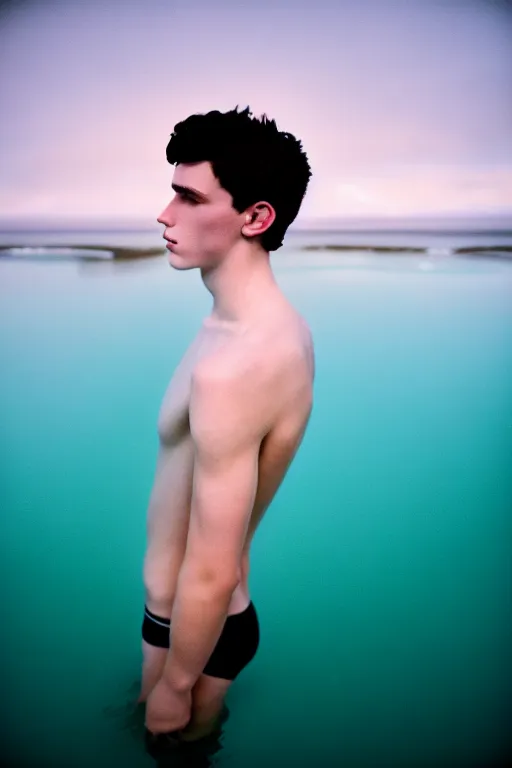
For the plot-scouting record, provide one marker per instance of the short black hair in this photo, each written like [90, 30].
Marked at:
[251, 159]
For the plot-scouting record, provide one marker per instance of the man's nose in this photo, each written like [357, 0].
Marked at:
[165, 217]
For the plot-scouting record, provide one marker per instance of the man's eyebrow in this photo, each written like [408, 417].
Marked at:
[189, 191]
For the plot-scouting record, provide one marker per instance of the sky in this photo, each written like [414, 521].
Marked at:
[404, 108]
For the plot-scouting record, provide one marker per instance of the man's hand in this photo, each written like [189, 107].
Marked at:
[167, 709]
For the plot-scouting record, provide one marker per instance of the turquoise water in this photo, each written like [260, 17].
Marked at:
[381, 573]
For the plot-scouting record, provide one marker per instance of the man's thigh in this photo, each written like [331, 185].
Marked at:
[207, 703]
[235, 649]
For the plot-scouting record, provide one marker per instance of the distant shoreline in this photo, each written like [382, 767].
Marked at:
[405, 248]
[118, 254]
[114, 253]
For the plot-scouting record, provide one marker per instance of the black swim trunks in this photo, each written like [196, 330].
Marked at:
[236, 646]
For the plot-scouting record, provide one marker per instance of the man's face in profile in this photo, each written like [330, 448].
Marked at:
[200, 219]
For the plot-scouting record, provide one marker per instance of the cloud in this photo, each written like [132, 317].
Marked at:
[405, 190]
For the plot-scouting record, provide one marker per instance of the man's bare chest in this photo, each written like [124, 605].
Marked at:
[173, 416]
[267, 350]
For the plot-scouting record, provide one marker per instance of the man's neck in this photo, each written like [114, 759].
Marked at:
[241, 286]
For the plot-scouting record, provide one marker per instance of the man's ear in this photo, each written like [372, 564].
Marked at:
[259, 220]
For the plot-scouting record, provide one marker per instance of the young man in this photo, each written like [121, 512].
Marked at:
[233, 416]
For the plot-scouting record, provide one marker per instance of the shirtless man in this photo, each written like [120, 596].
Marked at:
[232, 418]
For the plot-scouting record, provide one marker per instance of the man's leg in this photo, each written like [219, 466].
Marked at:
[207, 707]
[236, 647]
[207, 694]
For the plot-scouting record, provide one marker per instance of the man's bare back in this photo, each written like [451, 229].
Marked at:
[280, 347]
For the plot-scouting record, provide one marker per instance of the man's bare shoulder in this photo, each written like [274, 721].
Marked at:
[231, 387]
[260, 351]
[238, 358]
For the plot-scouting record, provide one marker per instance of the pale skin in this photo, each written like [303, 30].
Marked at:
[231, 421]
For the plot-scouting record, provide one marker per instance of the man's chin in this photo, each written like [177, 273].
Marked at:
[181, 266]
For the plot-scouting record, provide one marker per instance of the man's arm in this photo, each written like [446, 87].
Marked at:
[227, 429]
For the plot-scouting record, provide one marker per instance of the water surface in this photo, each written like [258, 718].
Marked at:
[381, 573]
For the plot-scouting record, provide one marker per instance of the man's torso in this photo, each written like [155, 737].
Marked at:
[283, 346]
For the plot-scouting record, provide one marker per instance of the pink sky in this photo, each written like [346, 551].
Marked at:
[404, 108]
